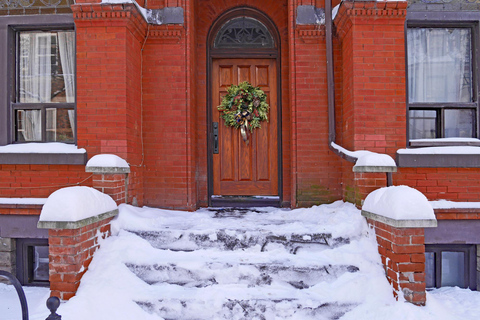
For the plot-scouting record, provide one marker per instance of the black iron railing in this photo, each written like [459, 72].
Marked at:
[52, 303]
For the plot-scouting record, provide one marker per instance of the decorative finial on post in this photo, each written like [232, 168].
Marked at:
[52, 304]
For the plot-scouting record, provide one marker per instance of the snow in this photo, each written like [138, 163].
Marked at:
[48, 147]
[335, 11]
[399, 203]
[75, 204]
[445, 204]
[441, 150]
[107, 161]
[367, 158]
[109, 289]
[34, 201]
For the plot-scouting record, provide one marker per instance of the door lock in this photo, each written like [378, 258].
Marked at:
[215, 138]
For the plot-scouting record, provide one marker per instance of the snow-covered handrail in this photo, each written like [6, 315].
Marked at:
[366, 161]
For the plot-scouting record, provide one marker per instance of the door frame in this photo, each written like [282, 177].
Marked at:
[269, 53]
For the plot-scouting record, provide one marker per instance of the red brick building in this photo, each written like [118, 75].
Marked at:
[143, 81]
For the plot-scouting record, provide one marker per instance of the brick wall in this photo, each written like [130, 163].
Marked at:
[39, 181]
[109, 41]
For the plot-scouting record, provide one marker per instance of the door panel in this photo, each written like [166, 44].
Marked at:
[238, 168]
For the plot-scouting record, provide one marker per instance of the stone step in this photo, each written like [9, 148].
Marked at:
[235, 309]
[181, 240]
[252, 275]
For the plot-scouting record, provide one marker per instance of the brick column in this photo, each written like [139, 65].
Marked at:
[111, 180]
[401, 244]
[71, 249]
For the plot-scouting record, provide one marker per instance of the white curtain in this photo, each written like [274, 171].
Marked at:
[35, 68]
[66, 44]
[32, 125]
[439, 65]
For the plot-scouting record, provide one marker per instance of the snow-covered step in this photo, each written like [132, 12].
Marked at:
[265, 309]
[211, 274]
[180, 240]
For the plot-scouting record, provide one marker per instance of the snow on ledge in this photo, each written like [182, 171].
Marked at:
[446, 204]
[367, 159]
[399, 203]
[23, 201]
[75, 204]
[107, 161]
[35, 147]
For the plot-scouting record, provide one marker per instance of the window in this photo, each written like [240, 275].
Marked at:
[44, 107]
[450, 265]
[32, 262]
[441, 88]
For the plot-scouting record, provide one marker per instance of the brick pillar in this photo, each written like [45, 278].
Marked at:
[71, 249]
[401, 244]
[111, 180]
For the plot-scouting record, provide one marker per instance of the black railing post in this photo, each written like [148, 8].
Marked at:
[52, 304]
[21, 294]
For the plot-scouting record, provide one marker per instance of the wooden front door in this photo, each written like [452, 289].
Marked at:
[241, 169]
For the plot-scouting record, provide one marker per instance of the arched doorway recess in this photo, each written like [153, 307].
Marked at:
[244, 45]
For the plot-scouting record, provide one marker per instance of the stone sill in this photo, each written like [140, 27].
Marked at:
[420, 223]
[438, 160]
[76, 224]
[44, 158]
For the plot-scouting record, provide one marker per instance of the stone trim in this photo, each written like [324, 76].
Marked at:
[76, 224]
[107, 170]
[365, 169]
[421, 223]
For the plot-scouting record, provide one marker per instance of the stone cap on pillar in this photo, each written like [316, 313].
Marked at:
[400, 207]
[107, 163]
[76, 207]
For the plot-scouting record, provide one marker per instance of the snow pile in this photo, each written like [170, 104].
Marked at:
[75, 204]
[48, 147]
[367, 158]
[399, 203]
[110, 290]
[107, 161]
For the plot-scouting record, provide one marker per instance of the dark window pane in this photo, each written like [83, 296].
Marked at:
[430, 269]
[28, 125]
[439, 65]
[453, 269]
[60, 124]
[422, 124]
[459, 123]
[243, 32]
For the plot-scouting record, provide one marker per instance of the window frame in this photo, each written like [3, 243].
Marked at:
[13, 94]
[24, 266]
[470, 262]
[440, 107]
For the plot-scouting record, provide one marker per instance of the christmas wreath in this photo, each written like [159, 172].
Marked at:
[244, 106]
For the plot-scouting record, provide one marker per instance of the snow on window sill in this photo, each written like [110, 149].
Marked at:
[42, 153]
